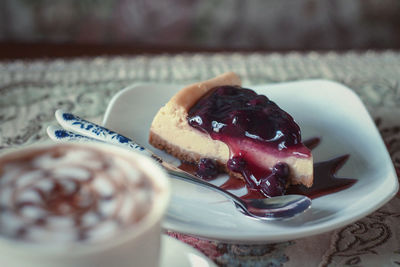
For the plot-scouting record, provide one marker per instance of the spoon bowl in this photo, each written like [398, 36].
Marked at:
[274, 208]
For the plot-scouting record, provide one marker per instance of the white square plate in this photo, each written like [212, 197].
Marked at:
[322, 108]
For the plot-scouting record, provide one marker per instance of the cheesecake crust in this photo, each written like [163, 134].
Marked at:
[189, 95]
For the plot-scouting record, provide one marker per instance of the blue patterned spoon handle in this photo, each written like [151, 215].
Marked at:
[80, 127]
[58, 133]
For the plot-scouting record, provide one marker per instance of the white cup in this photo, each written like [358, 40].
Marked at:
[136, 245]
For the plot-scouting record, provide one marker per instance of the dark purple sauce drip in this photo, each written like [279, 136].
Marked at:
[249, 122]
[207, 169]
[325, 181]
[234, 112]
[312, 142]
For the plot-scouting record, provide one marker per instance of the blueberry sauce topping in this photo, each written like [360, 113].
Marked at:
[207, 169]
[235, 112]
[275, 183]
[237, 164]
[246, 121]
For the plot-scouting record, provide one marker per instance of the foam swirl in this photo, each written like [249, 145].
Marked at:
[69, 194]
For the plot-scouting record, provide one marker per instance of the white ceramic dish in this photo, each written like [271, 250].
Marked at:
[321, 108]
[176, 253]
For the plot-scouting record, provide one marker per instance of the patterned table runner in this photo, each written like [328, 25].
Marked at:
[31, 91]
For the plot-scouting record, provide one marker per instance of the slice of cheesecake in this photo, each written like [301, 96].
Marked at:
[247, 134]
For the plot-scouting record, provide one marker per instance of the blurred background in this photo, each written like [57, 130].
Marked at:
[48, 28]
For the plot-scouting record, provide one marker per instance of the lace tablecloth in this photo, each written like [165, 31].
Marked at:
[30, 92]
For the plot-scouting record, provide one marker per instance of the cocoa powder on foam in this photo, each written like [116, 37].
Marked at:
[70, 194]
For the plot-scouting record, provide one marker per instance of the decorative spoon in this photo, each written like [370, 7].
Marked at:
[275, 208]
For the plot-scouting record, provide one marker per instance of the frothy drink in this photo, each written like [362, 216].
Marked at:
[67, 194]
